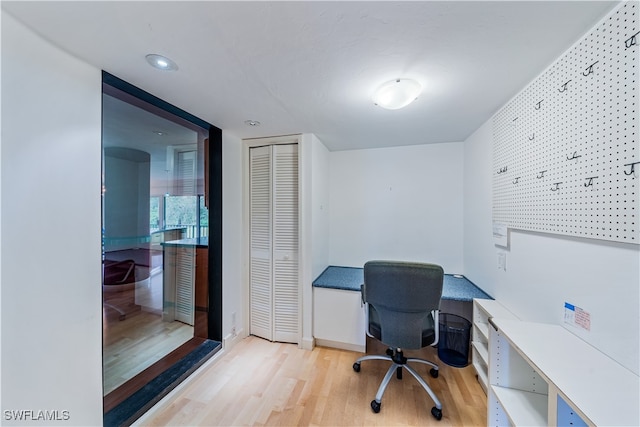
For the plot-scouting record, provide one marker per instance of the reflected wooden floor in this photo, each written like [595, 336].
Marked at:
[135, 343]
[261, 383]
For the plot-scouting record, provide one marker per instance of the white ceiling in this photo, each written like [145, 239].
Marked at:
[303, 66]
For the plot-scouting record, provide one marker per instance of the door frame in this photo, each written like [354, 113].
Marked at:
[247, 144]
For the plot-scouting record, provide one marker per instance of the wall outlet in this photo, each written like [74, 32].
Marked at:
[233, 323]
[502, 260]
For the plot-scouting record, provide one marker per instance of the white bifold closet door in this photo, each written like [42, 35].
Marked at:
[273, 277]
[185, 285]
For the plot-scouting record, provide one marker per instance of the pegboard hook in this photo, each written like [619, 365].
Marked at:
[631, 41]
[538, 105]
[589, 182]
[575, 156]
[589, 69]
[564, 87]
[632, 171]
[541, 174]
[532, 137]
[557, 186]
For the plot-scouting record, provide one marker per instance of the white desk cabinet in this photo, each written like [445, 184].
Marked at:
[483, 310]
[339, 319]
[542, 374]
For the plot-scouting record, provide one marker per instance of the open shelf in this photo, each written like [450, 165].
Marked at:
[482, 376]
[483, 329]
[483, 351]
[483, 310]
[523, 408]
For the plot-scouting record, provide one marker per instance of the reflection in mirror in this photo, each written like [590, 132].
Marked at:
[153, 190]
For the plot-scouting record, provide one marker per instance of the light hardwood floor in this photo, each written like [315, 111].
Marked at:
[135, 343]
[262, 383]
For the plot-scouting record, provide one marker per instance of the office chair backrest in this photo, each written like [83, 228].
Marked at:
[402, 295]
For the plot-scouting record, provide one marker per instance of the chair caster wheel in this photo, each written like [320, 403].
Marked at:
[434, 372]
[375, 406]
[437, 413]
[356, 367]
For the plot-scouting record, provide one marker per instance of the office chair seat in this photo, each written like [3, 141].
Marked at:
[403, 302]
[375, 331]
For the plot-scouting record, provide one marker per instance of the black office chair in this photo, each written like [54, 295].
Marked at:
[403, 301]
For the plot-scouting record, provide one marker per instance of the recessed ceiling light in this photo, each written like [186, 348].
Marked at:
[160, 133]
[397, 93]
[252, 123]
[161, 62]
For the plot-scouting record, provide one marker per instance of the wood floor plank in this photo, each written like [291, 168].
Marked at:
[259, 383]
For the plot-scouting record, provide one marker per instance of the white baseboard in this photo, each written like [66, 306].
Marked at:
[341, 345]
[229, 341]
[308, 343]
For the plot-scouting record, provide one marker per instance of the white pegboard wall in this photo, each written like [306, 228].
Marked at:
[566, 150]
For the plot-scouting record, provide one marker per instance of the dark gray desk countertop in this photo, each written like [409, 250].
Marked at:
[455, 287]
[202, 242]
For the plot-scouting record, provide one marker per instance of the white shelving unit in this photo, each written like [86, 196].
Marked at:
[483, 310]
[542, 374]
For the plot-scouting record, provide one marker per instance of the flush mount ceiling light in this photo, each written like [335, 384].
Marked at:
[397, 93]
[252, 123]
[161, 62]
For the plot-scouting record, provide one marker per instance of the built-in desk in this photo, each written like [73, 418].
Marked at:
[339, 318]
[455, 287]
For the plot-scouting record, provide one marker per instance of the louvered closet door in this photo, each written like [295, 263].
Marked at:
[274, 242]
[185, 257]
[186, 173]
[285, 243]
[185, 280]
[260, 276]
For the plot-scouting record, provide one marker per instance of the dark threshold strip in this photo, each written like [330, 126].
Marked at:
[142, 400]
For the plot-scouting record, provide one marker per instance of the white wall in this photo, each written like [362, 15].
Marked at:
[315, 192]
[320, 206]
[233, 263]
[126, 199]
[545, 270]
[397, 203]
[51, 240]
[480, 261]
